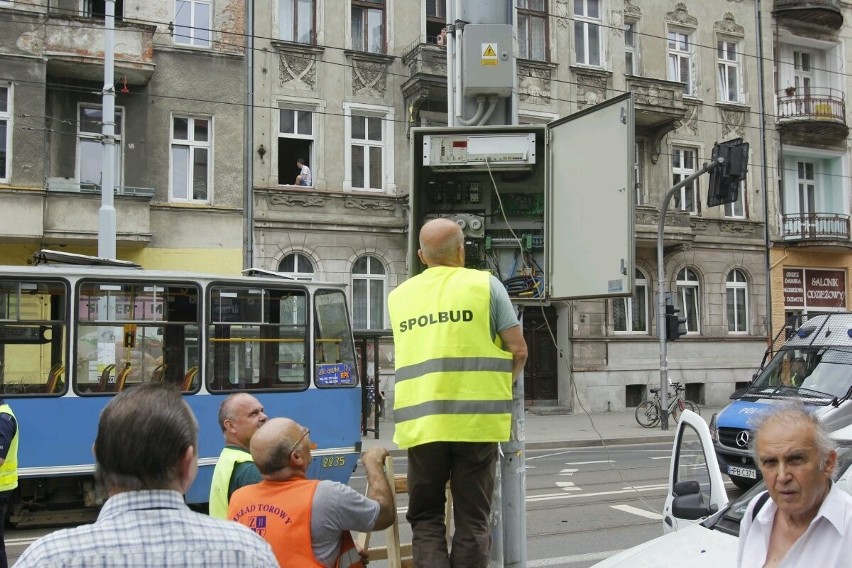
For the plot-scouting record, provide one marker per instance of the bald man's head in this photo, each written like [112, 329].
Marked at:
[273, 445]
[441, 243]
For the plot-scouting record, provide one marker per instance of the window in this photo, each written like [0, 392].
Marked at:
[297, 265]
[736, 209]
[639, 172]
[368, 293]
[587, 32]
[730, 83]
[192, 23]
[680, 60]
[97, 9]
[631, 49]
[90, 151]
[683, 166]
[5, 132]
[296, 20]
[366, 152]
[190, 157]
[368, 29]
[295, 140]
[436, 19]
[631, 314]
[532, 29]
[736, 289]
[688, 295]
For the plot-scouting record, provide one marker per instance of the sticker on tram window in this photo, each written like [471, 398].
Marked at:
[336, 374]
[334, 461]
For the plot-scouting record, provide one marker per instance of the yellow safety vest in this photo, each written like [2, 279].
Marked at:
[453, 383]
[9, 469]
[218, 505]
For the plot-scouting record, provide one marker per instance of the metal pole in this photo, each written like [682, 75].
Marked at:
[513, 477]
[248, 253]
[661, 296]
[764, 176]
[106, 214]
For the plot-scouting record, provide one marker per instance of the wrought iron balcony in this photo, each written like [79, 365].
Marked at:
[820, 12]
[815, 226]
[816, 111]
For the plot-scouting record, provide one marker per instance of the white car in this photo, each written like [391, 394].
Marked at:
[696, 493]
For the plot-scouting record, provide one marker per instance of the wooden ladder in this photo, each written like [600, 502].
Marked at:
[398, 554]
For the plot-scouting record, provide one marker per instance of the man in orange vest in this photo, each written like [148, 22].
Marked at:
[307, 522]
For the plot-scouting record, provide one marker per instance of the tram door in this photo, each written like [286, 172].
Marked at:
[540, 371]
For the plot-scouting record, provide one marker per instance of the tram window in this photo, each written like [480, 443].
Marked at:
[33, 335]
[335, 353]
[130, 333]
[257, 338]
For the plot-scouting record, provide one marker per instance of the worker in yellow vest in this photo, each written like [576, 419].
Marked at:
[240, 416]
[459, 349]
[8, 468]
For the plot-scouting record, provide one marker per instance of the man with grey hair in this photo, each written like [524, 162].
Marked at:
[808, 520]
[147, 458]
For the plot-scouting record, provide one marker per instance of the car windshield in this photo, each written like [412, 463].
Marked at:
[815, 374]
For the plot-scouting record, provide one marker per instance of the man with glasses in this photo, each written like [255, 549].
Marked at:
[307, 522]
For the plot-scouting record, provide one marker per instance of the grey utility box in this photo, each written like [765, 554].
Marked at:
[548, 209]
[487, 64]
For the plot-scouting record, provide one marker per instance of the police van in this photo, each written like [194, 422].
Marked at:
[813, 365]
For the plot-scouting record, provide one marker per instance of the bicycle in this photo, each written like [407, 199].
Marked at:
[649, 412]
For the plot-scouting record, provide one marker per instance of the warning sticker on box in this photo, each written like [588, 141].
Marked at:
[489, 54]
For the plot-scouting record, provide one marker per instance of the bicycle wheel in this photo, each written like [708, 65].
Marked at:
[682, 405]
[648, 414]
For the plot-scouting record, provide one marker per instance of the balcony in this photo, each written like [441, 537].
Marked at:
[74, 48]
[811, 227]
[427, 83]
[819, 12]
[658, 108]
[818, 114]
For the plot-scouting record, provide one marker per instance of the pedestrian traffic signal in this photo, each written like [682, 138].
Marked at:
[725, 178]
[675, 325]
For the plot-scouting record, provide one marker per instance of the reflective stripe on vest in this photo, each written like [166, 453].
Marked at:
[453, 383]
[9, 469]
[218, 505]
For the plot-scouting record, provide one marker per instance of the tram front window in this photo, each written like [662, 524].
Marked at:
[333, 346]
[33, 335]
[130, 333]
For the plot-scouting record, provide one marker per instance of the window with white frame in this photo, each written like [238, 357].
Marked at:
[297, 266]
[730, 79]
[191, 164]
[366, 141]
[688, 299]
[368, 25]
[193, 23]
[90, 153]
[5, 132]
[587, 32]
[631, 48]
[639, 195]
[296, 20]
[630, 315]
[295, 140]
[369, 282]
[436, 20]
[736, 290]
[683, 166]
[736, 210]
[680, 50]
[532, 29]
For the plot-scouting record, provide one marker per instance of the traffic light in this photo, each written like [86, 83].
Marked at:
[675, 325]
[725, 179]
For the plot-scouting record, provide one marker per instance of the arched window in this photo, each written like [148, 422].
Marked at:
[736, 290]
[297, 265]
[688, 299]
[369, 283]
[630, 315]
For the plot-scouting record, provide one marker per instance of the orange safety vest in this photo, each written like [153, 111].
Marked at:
[280, 512]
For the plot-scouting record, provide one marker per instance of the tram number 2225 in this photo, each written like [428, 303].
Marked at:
[334, 461]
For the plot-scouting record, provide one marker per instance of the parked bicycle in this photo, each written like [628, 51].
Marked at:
[649, 412]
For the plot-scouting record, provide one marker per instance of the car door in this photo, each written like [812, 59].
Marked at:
[696, 488]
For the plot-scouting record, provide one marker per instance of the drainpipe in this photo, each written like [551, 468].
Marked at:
[248, 252]
[764, 171]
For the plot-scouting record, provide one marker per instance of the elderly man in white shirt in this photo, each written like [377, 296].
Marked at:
[807, 521]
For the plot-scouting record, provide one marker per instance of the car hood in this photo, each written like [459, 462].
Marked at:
[694, 546]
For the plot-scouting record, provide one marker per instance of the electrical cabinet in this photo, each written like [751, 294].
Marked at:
[548, 209]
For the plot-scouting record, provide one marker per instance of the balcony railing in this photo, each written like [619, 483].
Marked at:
[72, 186]
[824, 226]
[812, 104]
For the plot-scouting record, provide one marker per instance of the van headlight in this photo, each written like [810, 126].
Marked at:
[714, 432]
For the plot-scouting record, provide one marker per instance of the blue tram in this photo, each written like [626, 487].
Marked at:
[71, 336]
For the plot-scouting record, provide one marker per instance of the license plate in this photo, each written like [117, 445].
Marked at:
[742, 472]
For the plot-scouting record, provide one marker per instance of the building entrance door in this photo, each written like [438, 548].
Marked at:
[540, 372]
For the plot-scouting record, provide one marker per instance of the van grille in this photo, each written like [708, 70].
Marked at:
[728, 437]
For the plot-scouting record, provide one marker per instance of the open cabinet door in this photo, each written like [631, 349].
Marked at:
[590, 240]
[696, 487]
